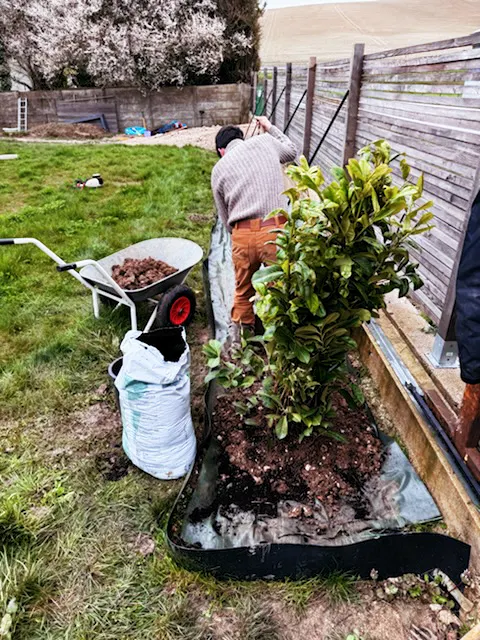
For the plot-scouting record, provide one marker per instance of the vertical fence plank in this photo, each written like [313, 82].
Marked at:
[254, 92]
[274, 92]
[288, 94]
[307, 135]
[356, 66]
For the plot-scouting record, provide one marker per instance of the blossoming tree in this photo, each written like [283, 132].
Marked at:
[142, 43]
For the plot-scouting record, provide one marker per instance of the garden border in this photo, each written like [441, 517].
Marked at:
[460, 514]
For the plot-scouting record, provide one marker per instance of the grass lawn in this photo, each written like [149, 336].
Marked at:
[82, 553]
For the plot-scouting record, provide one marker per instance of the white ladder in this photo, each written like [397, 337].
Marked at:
[22, 114]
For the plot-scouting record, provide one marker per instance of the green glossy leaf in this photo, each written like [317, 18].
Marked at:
[267, 274]
[281, 428]
[248, 381]
[212, 349]
[211, 376]
[345, 263]
[405, 167]
[301, 353]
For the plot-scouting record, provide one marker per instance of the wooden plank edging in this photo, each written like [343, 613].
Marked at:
[459, 512]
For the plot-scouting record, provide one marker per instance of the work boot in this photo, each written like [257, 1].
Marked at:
[238, 331]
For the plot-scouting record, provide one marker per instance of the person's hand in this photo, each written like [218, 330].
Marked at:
[264, 123]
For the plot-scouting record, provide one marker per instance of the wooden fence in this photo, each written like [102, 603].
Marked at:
[127, 107]
[425, 100]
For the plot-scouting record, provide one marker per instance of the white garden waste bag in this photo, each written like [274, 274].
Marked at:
[154, 394]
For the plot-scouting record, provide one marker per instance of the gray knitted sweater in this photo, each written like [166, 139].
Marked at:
[248, 181]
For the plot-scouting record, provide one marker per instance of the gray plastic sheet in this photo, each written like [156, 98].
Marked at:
[222, 279]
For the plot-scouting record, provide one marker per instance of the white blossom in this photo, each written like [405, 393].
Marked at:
[145, 43]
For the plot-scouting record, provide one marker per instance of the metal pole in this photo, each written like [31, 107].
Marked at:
[295, 111]
[276, 104]
[329, 126]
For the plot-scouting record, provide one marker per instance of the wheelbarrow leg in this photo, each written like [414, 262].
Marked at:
[151, 320]
[133, 316]
[96, 303]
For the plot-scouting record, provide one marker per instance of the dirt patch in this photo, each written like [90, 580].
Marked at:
[200, 218]
[114, 464]
[136, 274]
[257, 468]
[62, 130]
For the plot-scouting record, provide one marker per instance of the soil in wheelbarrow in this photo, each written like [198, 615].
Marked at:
[136, 274]
[257, 470]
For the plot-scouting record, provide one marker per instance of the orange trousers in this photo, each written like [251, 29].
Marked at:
[249, 252]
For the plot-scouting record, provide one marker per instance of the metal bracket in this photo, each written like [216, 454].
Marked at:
[444, 354]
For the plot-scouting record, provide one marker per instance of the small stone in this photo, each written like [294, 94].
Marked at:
[307, 511]
[266, 468]
[308, 467]
[447, 617]
[101, 390]
[295, 512]
[219, 438]
[436, 607]
[144, 544]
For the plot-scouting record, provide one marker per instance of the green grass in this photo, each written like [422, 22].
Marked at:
[69, 557]
[52, 351]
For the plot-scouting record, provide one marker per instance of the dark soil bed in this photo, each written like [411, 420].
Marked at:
[136, 274]
[257, 470]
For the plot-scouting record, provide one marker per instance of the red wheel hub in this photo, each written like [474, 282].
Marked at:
[180, 310]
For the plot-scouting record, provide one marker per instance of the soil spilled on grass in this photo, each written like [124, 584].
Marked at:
[114, 464]
[258, 469]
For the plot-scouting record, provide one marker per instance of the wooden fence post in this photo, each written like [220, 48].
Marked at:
[466, 434]
[354, 85]
[265, 88]
[307, 133]
[288, 94]
[274, 92]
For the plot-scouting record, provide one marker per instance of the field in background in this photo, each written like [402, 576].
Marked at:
[329, 31]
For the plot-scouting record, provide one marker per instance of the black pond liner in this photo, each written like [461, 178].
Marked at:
[385, 545]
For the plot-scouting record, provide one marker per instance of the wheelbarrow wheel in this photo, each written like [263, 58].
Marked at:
[177, 307]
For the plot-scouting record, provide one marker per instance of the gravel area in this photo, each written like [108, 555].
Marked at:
[203, 137]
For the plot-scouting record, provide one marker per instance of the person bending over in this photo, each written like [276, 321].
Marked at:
[247, 184]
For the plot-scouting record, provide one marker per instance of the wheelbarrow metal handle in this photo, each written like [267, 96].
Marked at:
[67, 267]
[7, 241]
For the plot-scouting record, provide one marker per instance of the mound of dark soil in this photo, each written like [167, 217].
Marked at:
[257, 468]
[136, 274]
[66, 131]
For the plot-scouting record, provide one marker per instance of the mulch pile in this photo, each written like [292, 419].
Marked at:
[258, 468]
[136, 274]
[65, 131]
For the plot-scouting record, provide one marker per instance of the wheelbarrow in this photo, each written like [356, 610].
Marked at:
[174, 301]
